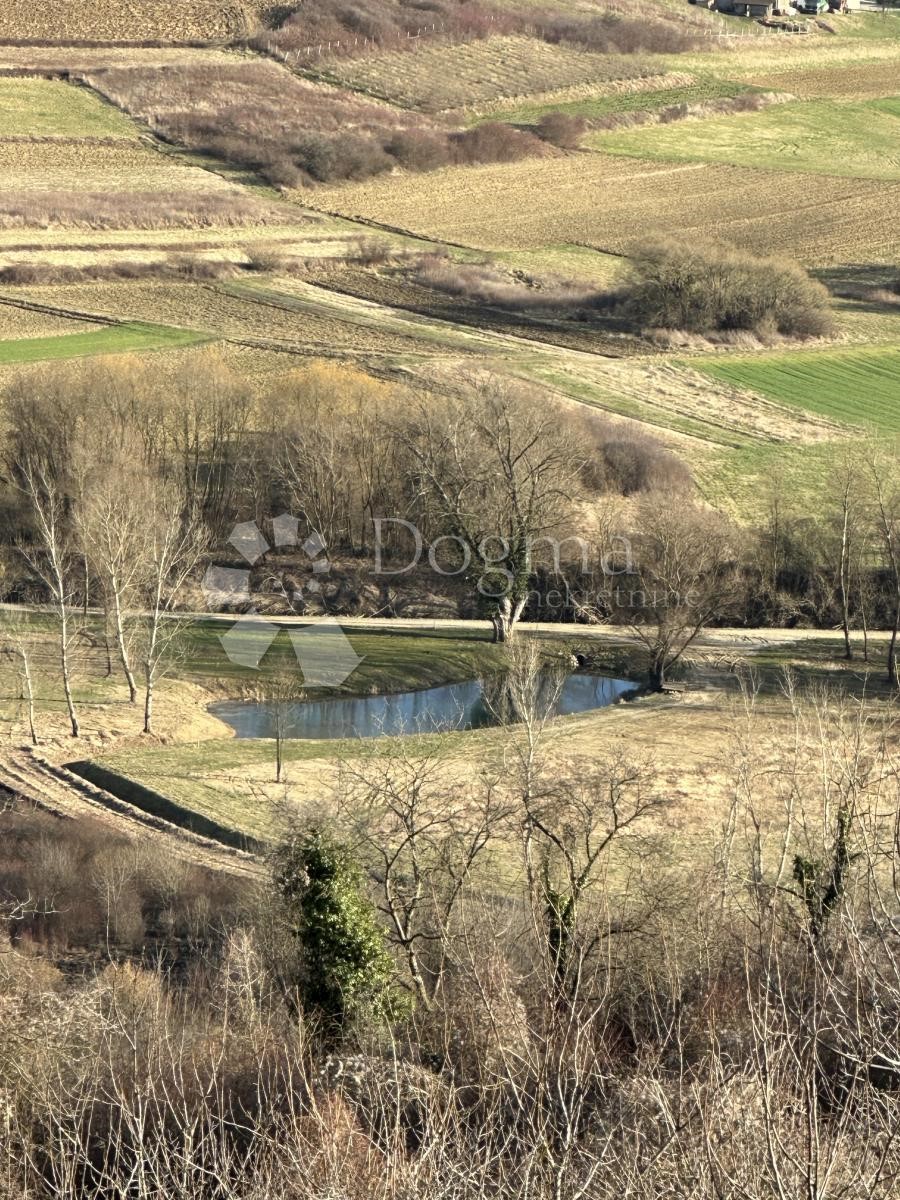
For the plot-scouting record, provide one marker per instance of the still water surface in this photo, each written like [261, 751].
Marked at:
[437, 709]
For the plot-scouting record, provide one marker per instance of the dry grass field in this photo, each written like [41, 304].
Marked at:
[607, 202]
[269, 319]
[18, 323]
[115, 184]
[125, 20]
[854, 81]
[440, 75]
[86, 167]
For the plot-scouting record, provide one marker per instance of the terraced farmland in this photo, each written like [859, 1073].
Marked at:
[258, 316]
[114, 184]
[125, 21]
[87, 167]
[854, 81]
[859, 386]
[600, 100]
[16, 323]
[441, 76]
[607, 202]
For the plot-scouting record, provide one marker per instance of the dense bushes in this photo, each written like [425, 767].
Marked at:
[615, 33]
[354, 23]
[352, 26]
[176, 266]
[715, 288]
[598, 1015]
[562, 130]
[629, 461]
[295, 133]
[87, 888]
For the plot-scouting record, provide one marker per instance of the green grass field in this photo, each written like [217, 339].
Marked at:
[861, 141]
[47, 108]
[130, 337]
[390, 662]
[859, 386]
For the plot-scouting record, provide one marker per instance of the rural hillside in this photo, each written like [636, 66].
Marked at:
[449, 600]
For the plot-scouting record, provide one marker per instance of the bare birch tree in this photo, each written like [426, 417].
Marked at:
[177, 538]
[886, 518]
[112, 519]
[51, 555]
[17, 647]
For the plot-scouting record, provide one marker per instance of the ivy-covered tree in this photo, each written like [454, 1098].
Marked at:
[345, 968]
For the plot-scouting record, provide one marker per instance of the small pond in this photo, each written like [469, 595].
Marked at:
[437, 709]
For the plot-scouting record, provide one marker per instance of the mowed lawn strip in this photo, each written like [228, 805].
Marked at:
[860, 386]
[113, 339]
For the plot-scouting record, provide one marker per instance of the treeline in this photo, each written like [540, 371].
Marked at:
[120, 488]
[117, 484]
[506, 983]
[509, 486]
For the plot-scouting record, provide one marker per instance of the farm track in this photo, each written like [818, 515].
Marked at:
[59, 791]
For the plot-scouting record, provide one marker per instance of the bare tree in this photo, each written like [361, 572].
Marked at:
[279, 692]
[886, 517]
[494, 473]
[51, 556]
[112, 518]
[177, 538]
[16, 645]
[423, 837]
[683, 578]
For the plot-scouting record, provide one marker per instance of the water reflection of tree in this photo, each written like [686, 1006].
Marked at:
[529, 691]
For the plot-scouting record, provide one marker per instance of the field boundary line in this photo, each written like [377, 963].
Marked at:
[51, 310]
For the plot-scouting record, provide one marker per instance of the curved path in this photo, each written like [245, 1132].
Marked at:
[25, 774]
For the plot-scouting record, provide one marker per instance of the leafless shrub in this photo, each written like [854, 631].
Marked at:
[623, 120]
[487, 283]
[419, 149]
[686, 110]
[295, 133]
[561, 130]
[616, 33]
[363, 25]
[370, 251]
[625, 459]
[494, 142]
[268, 257]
